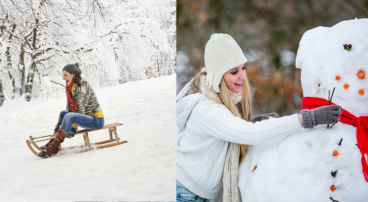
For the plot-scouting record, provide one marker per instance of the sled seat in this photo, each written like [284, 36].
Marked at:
[112, 141]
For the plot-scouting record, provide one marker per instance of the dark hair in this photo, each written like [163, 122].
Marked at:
[78, 80]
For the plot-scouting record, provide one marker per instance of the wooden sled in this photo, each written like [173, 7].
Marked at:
[87, 145]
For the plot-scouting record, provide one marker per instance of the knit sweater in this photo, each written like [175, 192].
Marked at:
[87, 101]
[204, 129]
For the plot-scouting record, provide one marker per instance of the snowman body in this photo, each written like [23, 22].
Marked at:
[302, 167]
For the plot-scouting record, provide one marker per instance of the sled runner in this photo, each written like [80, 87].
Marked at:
[87, 145]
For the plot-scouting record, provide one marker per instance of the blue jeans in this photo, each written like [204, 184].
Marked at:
[183, 194]
[67, 119]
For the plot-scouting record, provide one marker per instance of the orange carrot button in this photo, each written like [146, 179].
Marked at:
[335, 153]
[337, 78]
[346, 86]
[333, 188]
[361, 92]
[361, 75]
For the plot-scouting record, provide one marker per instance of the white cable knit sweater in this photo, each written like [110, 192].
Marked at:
[204, 129]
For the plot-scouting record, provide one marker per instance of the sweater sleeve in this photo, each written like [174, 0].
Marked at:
[217, 120]
[79, 97]
[93, 103]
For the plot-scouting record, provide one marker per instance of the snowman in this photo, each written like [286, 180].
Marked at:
[320, 164]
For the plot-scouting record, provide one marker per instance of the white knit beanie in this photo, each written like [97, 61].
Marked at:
[221, 54]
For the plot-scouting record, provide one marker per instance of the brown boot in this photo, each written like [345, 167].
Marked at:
[53, 147]
[50, 142]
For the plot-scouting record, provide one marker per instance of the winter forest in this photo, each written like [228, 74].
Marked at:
[114, 42]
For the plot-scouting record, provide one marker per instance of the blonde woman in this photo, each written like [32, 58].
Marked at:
[214, 124]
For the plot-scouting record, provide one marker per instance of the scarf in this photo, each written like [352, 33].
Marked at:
[73, 106]
[361, 124]
[230, 175]
[230, 189]
[231, 165]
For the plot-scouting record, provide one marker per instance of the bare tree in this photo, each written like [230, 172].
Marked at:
[39, 32]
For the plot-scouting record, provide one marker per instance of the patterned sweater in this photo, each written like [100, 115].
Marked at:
[87, 101]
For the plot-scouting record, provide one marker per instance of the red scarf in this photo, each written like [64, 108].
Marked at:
[73, 106]
[346, 117]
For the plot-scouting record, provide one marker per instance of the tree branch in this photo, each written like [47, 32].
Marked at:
[44, 59]
[58, 83]
[111, 32]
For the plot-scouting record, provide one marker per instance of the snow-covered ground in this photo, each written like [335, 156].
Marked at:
[142, 169]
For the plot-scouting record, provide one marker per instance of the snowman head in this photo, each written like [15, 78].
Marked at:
[326, 63]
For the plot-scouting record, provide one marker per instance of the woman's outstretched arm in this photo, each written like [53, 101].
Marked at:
[217, 120]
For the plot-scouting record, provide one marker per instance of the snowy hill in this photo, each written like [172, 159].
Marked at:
[142, 169]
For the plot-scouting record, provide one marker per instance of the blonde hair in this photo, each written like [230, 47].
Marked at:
[242, 110]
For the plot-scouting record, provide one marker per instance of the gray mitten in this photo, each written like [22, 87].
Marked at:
[263, 117]
[321, 115]
[273, 114]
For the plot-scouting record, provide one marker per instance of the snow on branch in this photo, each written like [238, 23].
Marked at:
[113, 41]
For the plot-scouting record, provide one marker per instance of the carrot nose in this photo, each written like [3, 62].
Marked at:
[361, 75]
[361, 92]
[333, 188]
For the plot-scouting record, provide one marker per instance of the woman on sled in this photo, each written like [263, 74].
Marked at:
[83, 109]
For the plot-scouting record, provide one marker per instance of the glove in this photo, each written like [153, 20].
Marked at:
[321, 115]
[71, 133]
[263, 117]
[273, 114]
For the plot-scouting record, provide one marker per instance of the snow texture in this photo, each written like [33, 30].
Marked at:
[142, 169]
[114, 42]
[298, 167]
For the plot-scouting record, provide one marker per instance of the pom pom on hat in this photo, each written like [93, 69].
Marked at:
[73, 69]
[221, 54]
